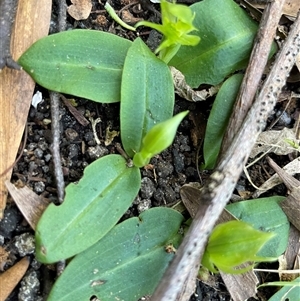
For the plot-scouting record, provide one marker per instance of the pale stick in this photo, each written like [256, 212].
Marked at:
[255, 69]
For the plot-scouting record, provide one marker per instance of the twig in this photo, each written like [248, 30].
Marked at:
[54, 97]
[8, 10]
[60, 183]
[221, 183]
[290, 205]
[62, 25]
[79, 117]
[62, 15]
[255, 69]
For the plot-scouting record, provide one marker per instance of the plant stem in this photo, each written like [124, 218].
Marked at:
[113, 14]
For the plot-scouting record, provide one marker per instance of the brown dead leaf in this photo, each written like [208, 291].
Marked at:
[291, 168]
[289, 260]
[30, 204]
[275, 142]
[186, 92]
[110, 135]
[290, 7]
[11, 277]
[128, 18]
[80, 9]
[16, 87]
[3, 258]
[290, 205]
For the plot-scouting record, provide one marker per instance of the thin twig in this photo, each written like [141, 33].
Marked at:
[8, 10]
[62, 26]
[219, 187]
[62, 15]
[255, 69]
[60, 183]
[79, 117]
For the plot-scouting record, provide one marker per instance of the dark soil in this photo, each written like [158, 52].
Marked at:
[160, 182]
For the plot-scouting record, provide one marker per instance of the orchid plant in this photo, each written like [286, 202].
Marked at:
[107, 68]
[232, 244]
[177, 23]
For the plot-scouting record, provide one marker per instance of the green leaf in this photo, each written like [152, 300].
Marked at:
[90, 209]
[266, 215]
[147, 95]
[218, 120]
[232, 244]
[226, 33]
[83, 63]
[288, 293]
[114, 15]
[283, 283]
[177, 23]
[126, 264]
[158, 139]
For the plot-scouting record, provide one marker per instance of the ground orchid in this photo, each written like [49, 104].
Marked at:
[177, 23]
[232, 244]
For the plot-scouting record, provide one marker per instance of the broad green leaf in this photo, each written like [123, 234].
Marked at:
[147, 95]
[218, 120]
[226, 33]
[266, 215]
[158, 139]
[288, 293]
[232, 244]
[90, 209]
[126, 264]
[84, 63]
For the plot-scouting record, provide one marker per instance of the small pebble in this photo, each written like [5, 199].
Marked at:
[184, 143]
[96, 152]
[30, 286]
[159, 195]
[71, 134]
[25, 244]
[35, 264]
[73, 151]
[33, 168]
[45, 169]
[9, 223]
[144, 205]
[137, 200]
[39, 187]
[284, 119]
[191, 172]
[169, 194]
[47, 157]
[38, 153]
[89, 136]
[43, 145]
[31, 146]
[164, 169]
[147, 188]
[178, 159]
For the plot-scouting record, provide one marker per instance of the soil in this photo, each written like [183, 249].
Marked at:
[161, 181]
